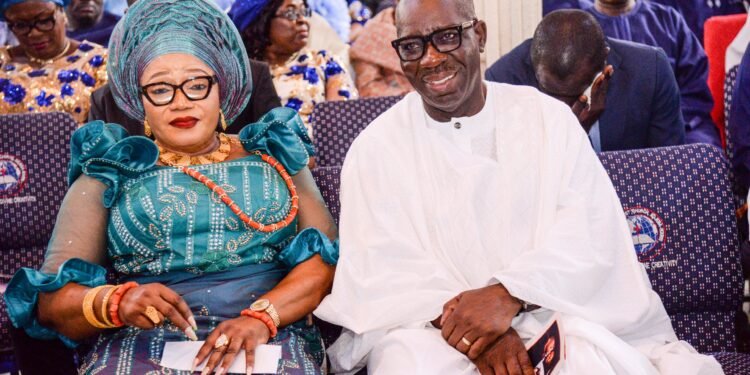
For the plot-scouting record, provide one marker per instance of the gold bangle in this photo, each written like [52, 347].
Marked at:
[88, 307]
[105, 310]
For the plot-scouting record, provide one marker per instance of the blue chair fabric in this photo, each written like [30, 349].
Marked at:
[338, 123]
[679, 205]
[34, 156]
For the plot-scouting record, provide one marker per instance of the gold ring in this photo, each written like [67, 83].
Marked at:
[221, 342]
[152, 314]
[465, 341]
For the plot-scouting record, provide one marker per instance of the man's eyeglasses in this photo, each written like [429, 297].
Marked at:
[293, 14]
[162, 93]
[412, 48]
[24, 28]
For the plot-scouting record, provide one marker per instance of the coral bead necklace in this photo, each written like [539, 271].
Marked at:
[221, 154]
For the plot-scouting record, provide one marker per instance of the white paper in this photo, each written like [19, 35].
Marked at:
[179, 355]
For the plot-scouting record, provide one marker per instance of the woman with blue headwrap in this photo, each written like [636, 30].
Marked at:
[208, 236]
[47, 71]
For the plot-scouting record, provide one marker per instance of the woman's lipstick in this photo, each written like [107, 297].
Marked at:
[184, 122]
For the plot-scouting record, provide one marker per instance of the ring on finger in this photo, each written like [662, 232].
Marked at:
[466, 341]
[221, 342]
[152, 314]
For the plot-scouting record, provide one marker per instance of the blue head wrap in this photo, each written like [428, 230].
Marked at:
[5, 4]
[245, 12]
[152, 28]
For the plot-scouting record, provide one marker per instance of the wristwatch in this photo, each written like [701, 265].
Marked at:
[265, 306]
[526, 307]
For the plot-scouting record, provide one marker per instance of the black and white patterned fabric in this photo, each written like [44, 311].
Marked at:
[34, 155]
[328, 180]
[679, 205]
[338, 123]
[734, 363]
[740, 194]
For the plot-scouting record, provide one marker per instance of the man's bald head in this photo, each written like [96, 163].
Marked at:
[463, 8]
[567, 41]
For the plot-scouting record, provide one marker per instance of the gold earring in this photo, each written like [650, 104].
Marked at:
[222, 120]
[146, 128]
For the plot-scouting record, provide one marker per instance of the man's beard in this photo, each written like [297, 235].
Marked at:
[86, 22]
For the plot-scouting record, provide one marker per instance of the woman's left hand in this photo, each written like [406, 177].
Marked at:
[242, 333]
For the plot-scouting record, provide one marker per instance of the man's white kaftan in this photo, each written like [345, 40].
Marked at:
[424, 218]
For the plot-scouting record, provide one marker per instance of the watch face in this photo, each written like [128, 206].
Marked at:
[260, 305]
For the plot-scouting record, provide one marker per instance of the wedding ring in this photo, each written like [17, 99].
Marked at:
[152, 314]
[222, 341]
[465, 341]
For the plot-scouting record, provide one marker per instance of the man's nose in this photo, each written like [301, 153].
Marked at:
[432, 57]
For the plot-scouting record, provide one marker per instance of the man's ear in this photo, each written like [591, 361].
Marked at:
[481, 30]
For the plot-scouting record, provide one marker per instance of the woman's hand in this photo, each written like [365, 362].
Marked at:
[167, 303]
[242, 333]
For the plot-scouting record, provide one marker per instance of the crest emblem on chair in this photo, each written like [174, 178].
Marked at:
[13, 175]
[648, 231]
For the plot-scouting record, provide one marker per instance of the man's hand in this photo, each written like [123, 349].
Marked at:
[586, 113]
[475, 319]
[505, 356]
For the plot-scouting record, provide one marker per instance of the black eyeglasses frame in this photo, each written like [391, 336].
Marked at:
[429, 39]
[13, 26]
[212, 80]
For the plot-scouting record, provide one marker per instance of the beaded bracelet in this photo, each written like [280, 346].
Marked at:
[263, 318]
[88, 308]
[114, 305]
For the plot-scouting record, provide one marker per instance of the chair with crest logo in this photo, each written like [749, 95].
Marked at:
[679, 205]
[34, 155]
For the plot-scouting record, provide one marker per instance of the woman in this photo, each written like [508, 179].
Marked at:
[276, 31]
[47, 71]
[377, 66]
[209, 236]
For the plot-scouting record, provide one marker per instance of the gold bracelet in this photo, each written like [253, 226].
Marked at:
[105, 310]
[88, 307]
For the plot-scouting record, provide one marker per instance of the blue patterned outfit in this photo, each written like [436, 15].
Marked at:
[165, 227]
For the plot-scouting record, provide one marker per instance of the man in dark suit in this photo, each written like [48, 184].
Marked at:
[262, 100]
[635, 101]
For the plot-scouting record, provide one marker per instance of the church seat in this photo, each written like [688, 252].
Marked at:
[337, 124]
[678, 202]
[34, 156]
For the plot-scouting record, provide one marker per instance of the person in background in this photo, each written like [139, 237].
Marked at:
[695, 12]
[6, 36]
[633, 101]
[376, 66]
[336, 12]
[276, 31]
[88, 20]
[661, 26]
[216, 237]
[47, 71]
[360, 15]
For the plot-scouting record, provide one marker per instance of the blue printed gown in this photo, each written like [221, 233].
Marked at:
[166, 227]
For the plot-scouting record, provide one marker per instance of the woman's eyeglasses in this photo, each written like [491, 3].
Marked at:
[24, 28]
[412, 48]
[294, 14]
[162, 93]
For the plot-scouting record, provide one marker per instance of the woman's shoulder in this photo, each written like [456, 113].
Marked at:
[281, 134]
[107, 152]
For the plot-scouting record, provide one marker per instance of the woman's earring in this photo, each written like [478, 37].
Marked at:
[146, 128]
[222, 120]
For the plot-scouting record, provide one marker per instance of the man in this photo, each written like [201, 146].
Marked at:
[87, 20]
[661, 26]
[635, 102]
[469, 201]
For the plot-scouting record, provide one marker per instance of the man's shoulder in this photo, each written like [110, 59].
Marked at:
[514, 67]
[632, 54]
